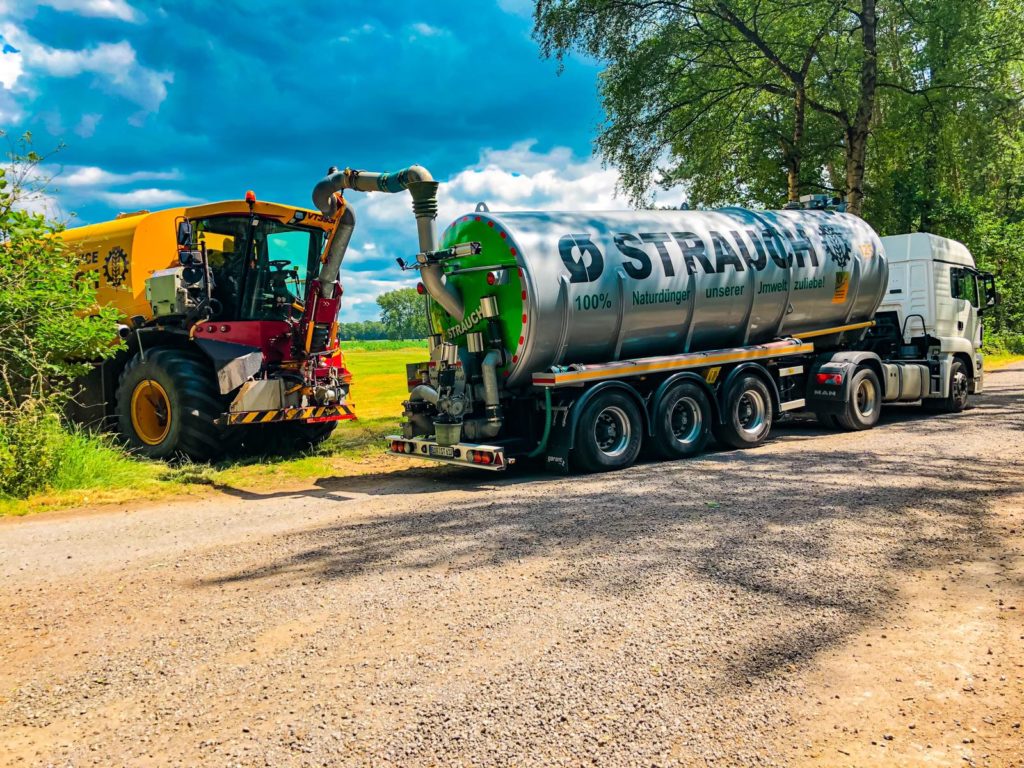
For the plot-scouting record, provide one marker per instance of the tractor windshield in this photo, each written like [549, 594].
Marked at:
[260, 268]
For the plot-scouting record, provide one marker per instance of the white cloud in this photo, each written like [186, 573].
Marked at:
[115, 66]
[11, 65]
[141, 198]
[514, 179]
[87, 125]
[111, 9]
[91, 176]
[423, 29]
[517, 7]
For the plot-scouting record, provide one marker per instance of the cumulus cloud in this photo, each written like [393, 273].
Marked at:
[517, 179]
[91, 176]
[115, 66]
[142, 198]
[110, 9]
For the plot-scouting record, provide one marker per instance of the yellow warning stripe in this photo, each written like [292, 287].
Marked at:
[290, 414]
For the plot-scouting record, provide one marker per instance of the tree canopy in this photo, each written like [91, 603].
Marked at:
[403, 314]
[910, 110]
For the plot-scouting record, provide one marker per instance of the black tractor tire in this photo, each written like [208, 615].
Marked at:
[609, 433]
[956, 400]
[167, 405]
[682, 423]
[747, 413]
[287, 437]
[863, 402]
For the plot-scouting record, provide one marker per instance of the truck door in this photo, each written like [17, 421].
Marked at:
[965, 291]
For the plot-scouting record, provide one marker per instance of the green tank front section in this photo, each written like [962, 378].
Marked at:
[497, 252]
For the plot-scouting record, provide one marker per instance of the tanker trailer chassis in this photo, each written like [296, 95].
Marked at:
[539, 367]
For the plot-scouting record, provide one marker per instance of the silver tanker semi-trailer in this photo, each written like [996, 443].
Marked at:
[579, 337]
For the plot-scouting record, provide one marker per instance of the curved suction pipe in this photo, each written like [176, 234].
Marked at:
[424, 392]
[336, 253]
[423, 189]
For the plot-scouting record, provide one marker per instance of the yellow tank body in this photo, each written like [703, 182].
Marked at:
[119, 255]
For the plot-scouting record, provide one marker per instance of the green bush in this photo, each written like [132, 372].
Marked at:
[1005, 343]
[38, 452]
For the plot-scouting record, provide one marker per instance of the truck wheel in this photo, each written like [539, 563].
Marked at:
[682, 422]
[863, 403]
[608, 434]
[747, 419]
[166, 406]
[956, 401]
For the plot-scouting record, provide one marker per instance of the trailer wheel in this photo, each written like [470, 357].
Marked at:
[682, 422]
[747, 417]
[166, 406]
[956, 401]
[863, 403]
[608, 433]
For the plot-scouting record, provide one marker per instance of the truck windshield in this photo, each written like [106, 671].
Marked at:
[260, 269]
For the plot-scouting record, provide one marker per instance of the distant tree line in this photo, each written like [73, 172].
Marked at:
[402, 316]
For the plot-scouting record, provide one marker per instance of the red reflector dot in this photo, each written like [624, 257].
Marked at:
[515, 358]
[522, 340]
[512, 251]
[524, 295]
[491, 279]
[490, 223]
[524, 318]
[503, 236]
[478, 218]
[420, 289]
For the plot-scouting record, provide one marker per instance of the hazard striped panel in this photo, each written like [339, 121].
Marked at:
[340, 412]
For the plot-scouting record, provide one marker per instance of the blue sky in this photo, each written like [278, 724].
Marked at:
[162, 104]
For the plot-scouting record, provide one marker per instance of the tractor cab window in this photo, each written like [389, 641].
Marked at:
[260, 268]
[225, 240]
[284, 260]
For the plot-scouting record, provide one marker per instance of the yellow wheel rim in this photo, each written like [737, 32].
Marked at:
[151, 412]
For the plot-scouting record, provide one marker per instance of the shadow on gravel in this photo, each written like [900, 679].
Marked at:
[820, 536]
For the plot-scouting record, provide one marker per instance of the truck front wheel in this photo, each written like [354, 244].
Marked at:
[959, 385]
[167, 405]
[608, 433]
[863, 403]
[682, 422]
[747, 416]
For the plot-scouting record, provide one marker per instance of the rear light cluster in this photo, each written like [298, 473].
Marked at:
[835, 379]
[398, 446]
[485, 458]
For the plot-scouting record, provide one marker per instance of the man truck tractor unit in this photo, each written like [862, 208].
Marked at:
[230, 321]
[579, 338]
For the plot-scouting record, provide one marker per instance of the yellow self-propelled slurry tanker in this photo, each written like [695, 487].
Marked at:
[229, 315]
[578, 337]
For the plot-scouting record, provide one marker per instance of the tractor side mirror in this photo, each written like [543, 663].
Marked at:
[184, 233]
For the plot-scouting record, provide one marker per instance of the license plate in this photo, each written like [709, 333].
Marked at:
[441, 450]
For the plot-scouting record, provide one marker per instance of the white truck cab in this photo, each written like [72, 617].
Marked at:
[936, 297]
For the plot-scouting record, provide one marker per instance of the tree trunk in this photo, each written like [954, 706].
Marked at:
[858, 131]
[795, 155]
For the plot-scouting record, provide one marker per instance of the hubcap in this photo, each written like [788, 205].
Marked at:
[686, 420]
[151, 412]
[866, 398]
[612, 431]
[751, 412]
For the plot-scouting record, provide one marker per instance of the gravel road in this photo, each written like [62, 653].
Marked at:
[827, 598]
